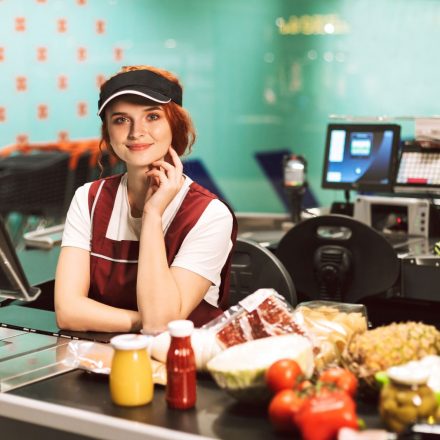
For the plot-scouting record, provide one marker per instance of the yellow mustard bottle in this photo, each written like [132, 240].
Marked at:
[131, 378]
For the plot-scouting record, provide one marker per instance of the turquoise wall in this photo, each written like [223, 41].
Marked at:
[259, 75]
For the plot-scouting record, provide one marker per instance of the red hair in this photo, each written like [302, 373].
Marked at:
[182, 128]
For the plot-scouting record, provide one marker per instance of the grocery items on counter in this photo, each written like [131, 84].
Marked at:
[383, 347]
[96, 358]
[341, 378]
[324, 414]
[283, 408]
[331, 325]
[283, 374]
[428, 366]
[203, 341]
[406, 399]
[90, 356]
[432, 365]
[131, 378]
[240, 369]
[180, 390]
[317, 407]
[261, 314]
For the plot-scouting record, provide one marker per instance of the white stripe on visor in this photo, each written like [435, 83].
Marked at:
[130, 92]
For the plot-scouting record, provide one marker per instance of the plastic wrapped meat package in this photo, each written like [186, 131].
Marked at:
[262, 314]
[331, 326]
[96, 358]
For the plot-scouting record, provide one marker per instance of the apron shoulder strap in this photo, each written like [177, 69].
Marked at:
[101, 199]
[191, 209]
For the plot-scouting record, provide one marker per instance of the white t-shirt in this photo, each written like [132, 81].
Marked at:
[203, 251]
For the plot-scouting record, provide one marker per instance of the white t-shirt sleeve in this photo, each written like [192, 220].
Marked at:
[207, 246]
[77, 228]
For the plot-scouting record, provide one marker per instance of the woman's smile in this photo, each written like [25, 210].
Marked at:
[138, 146]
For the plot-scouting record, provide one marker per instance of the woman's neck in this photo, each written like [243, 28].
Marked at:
[137, 186]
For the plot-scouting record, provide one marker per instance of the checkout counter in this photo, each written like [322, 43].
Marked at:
[42, 398]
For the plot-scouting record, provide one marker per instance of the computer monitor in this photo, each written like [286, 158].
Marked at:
[13, 281]
[361, 157]
[418, 170]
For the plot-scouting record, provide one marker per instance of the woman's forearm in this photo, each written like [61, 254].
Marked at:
[95, 316]
[158, 295]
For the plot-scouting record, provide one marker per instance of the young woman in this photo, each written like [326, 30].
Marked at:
[149, 246]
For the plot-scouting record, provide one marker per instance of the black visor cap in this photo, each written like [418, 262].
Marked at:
[142, 83]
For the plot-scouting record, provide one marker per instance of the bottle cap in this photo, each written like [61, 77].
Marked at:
[130, 342]
[180, 328]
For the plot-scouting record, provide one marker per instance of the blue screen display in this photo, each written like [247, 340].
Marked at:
[360, 155]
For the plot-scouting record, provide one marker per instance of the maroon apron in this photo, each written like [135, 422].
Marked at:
[113, 264]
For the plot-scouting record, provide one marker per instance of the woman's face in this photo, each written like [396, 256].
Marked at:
[138, 130]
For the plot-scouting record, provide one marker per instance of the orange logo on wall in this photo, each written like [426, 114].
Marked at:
[2, 114]
[118, 53]
[2, 54]
[22, 139]
[20, 24]
[81, 2]
[62, 25]
[62, 82]
[82, 109]
[81, 54]
[42, 111]
[63, 136]
[42, 53]
[100, 26]
[21, 83]
[100, 80]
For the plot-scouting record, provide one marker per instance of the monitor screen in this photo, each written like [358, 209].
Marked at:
[360, 156]
[418, 170]
[13, 281]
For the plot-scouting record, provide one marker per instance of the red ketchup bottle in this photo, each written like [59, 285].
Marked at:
[181, 366]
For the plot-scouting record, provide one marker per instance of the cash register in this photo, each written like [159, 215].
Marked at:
[396, 183]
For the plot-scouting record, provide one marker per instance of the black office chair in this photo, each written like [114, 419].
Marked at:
[254, 267]
[334, 257]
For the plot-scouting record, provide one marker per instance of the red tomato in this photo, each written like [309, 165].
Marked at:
[282, 409]
[342, 378]
[322, 416]
[282, 374]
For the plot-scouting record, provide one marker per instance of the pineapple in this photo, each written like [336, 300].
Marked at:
[394, 344]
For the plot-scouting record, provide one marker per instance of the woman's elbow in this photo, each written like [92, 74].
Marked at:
[62, 320]
[65, 319]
